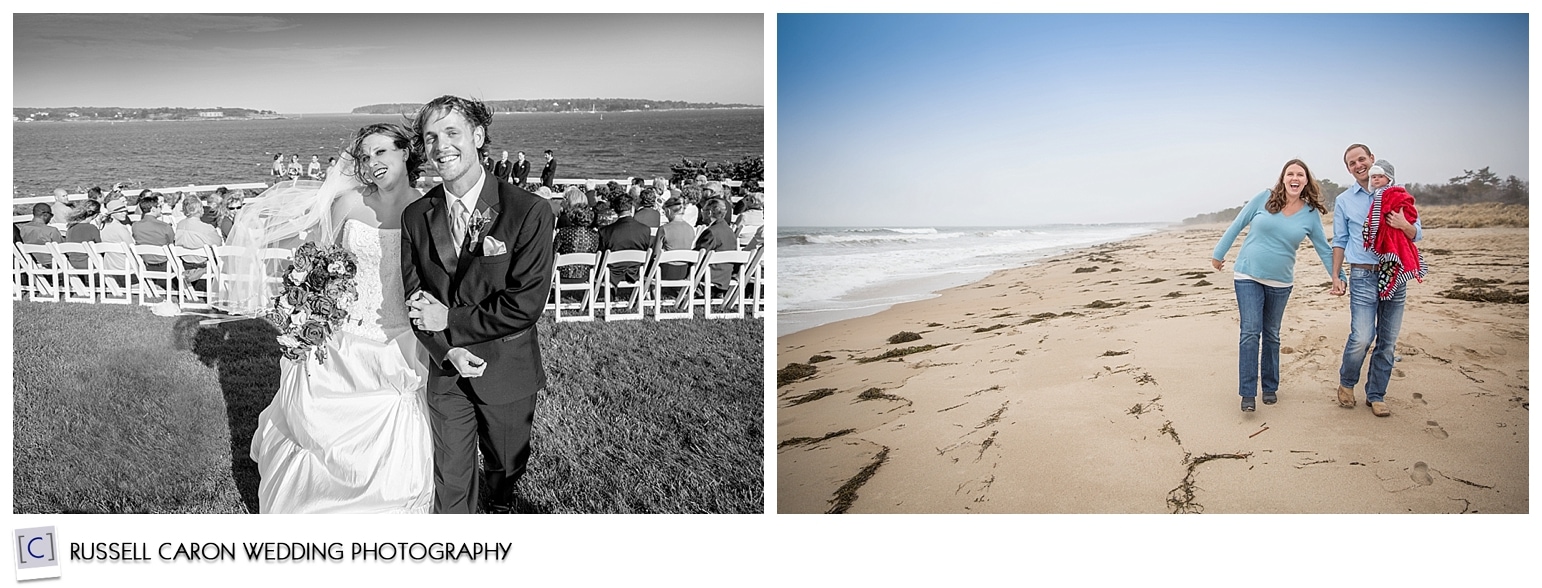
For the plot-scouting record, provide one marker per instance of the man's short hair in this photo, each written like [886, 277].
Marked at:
[475, 112]
[42, 209]
[1368, 153]
[624, 202]
[150, 202]
[548, 152]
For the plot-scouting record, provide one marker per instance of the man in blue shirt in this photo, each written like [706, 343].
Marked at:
[1372, 320]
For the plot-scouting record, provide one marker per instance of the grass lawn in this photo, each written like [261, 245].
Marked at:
[118, 410]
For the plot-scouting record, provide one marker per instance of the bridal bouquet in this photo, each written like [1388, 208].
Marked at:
[314, 299]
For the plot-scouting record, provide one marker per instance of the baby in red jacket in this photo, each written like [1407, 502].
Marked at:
[1400, 258]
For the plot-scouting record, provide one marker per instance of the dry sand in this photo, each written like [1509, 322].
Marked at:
[1115, 406]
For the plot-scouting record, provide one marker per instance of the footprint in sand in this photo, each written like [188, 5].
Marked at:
[1419, 398]
[1421, 474]
[1435, 430]
[1497, 350]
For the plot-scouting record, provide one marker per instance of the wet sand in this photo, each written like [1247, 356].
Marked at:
[1105, 381]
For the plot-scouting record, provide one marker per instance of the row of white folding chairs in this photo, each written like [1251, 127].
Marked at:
[117, 273]
[128, 276]
[595, 296]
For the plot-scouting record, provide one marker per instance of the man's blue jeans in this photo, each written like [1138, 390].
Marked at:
[1371, 320]
[1258, 351]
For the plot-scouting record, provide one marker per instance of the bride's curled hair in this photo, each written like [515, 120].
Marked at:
[400, 137]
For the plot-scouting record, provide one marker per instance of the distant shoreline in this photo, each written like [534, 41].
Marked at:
[141, 120]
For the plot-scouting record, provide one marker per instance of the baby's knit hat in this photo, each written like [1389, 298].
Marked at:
[1384, 168]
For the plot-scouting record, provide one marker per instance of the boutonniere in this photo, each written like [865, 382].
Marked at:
[480, 220]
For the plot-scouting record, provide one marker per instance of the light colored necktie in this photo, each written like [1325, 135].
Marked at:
[458, 226]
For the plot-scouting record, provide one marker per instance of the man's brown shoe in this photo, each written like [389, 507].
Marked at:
[1346, 397]
[1379, 408]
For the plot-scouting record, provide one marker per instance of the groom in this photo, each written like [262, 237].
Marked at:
[476, 264]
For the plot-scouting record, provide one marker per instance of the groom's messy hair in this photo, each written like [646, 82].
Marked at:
[475, 112]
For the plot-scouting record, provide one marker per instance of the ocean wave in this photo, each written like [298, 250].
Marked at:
[864, 239]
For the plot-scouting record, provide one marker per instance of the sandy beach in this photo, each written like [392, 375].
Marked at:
[1105, 381]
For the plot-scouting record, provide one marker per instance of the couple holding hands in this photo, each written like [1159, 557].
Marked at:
[1375, 226]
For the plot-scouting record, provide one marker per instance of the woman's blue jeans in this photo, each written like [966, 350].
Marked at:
[1371, 320]
[1258, 351]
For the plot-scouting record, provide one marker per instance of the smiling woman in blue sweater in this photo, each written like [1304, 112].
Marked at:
[1265, 270]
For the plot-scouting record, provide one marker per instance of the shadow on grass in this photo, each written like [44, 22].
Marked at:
[245, 355]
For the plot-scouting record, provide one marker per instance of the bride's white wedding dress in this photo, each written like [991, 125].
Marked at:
[351, 434]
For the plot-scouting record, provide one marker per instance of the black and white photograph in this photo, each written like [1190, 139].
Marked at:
[404, 263]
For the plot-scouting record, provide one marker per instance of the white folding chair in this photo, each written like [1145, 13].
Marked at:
[80, 284]
[47, 283]
[633, 302]
[188, 284]
[585, 304]
[18, 273]
[755, 287]
[730, 303]
[680, 305]
[148, 278]
[747, 234]
[116, 271]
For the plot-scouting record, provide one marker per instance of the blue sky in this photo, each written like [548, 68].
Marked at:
[962, 120]
[308, 63]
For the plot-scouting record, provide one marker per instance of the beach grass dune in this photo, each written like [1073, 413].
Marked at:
[1105, 381]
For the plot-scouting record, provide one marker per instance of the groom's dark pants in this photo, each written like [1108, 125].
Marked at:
[461, 424]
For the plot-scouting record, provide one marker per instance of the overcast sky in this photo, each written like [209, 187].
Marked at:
[316, 63]
[983, 120]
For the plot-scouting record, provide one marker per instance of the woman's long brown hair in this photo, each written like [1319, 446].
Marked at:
[1311, 193]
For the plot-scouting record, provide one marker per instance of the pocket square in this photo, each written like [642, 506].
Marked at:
[491, 246]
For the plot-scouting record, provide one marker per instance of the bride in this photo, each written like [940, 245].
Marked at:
[349, 434]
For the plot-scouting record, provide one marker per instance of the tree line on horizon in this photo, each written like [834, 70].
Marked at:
[560, 105]
[120, 113]
[1471, 187]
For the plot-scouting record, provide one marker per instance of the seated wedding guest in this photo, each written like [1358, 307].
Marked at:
[116, 229]
[753, 215]
[37, 232]
[576, 237]
[693, 196]
[717, 237]
[626, 234]
[575, 195]
[674, 235]
[195, 232]
[604, 216]
[171, 207]
[647, 209]
[61, 207]
[94, 193]
[151, 230]
[83, 229]
[226, 216]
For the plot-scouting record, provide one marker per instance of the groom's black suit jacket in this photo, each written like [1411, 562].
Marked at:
[494, 300]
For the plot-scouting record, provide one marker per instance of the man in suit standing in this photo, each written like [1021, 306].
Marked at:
[504, 169]
[626, 234]
[484, 249]
[521, 170]
[549, 172]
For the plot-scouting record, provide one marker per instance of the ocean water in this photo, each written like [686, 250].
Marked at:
[76, 156]
[827, 274]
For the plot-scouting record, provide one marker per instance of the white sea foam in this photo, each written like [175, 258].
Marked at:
[843, 269]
